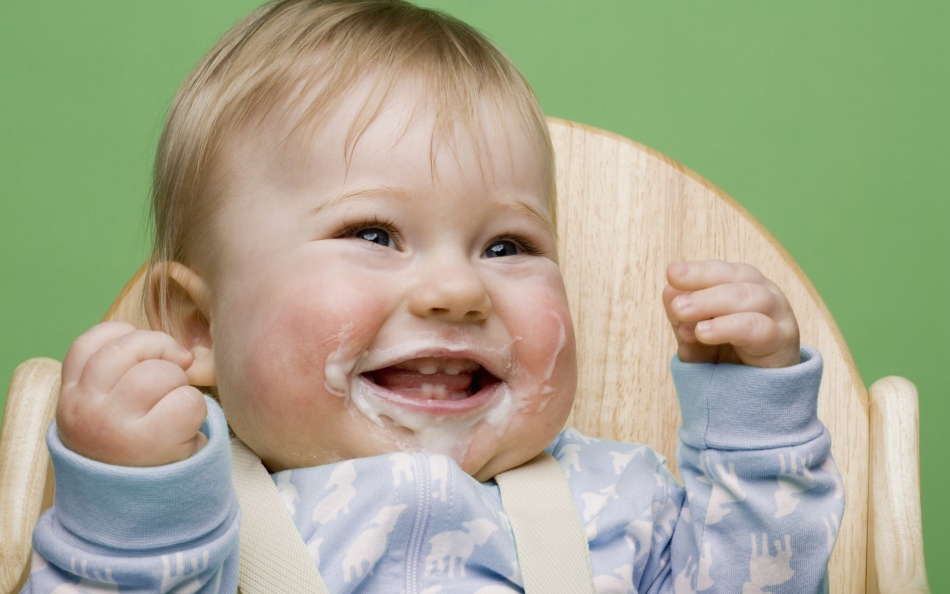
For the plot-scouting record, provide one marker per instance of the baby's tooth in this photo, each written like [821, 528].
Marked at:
[434, 392]
[429, 367]
[456, 366]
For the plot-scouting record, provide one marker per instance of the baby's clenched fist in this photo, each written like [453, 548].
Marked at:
[126, 400]
[725, 312]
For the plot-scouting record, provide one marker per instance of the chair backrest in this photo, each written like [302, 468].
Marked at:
[625, 212]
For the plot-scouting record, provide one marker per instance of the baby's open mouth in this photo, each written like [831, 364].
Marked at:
[433, 378]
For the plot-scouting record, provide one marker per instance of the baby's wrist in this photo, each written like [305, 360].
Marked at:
[191, 495]
[100, 428]
[127, 447]
[738, 407]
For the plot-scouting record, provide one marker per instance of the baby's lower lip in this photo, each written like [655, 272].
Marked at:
[416, 400]
[431, 386]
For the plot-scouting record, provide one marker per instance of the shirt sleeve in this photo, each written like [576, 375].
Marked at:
[159, 529]
[764, 499]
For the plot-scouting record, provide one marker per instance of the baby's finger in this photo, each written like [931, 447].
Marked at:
[682, 331]
[754, 332]
[694, 352]
[692, 276]
[669, 295]
[175, 422]
[145, 384]
[88, 344]
[114, 359]
[730, 298]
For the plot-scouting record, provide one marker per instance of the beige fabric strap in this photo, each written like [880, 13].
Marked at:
[551, 542]
[273, 556]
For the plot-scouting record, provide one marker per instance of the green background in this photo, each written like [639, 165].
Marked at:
[829, 121]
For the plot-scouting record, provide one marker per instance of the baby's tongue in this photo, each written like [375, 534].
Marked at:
[432, 386]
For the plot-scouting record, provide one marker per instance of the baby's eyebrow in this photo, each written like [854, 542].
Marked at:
[513, 204]
[376, 192]
[520, 207]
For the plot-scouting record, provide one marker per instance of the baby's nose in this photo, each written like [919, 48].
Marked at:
[455, 294]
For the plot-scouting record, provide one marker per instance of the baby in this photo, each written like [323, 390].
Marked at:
[355, 254]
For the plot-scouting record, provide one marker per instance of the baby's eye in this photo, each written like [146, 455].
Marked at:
[374, 230]
[375, 235]
[502, 247]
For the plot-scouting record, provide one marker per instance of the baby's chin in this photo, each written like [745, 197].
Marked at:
[476, 450]
[489, 455]
[482, 450]
[487, 448]
[482, 460]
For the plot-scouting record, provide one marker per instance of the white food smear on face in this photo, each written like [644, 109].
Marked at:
[547, 388]
[449, 435]
[544, 388]
[340, 364]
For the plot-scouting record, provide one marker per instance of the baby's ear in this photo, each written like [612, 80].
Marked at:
[183, 314]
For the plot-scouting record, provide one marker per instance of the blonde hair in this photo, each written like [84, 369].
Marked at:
[284, 51]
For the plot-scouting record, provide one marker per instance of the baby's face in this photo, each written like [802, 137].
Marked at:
[391, 305]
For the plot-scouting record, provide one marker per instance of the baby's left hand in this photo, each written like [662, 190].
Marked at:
[725, 312]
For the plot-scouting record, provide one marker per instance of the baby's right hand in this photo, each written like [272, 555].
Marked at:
[125, 399]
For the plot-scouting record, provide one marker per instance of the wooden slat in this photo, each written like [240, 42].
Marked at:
[896, 545]
[25, 467]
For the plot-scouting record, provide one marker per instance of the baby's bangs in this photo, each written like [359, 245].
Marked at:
[318, 53]
[302, 59]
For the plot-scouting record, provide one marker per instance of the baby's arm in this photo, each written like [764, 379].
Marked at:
[144, 499]
[764, 499]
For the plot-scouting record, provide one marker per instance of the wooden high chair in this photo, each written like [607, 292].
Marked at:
[625, 212]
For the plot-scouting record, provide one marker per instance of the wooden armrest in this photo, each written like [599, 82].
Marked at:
[895, 543]
[26, 485]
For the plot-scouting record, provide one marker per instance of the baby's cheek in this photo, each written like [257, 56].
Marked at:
[546, 336]
[279, 396]
[291, 349]
[285, 353]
